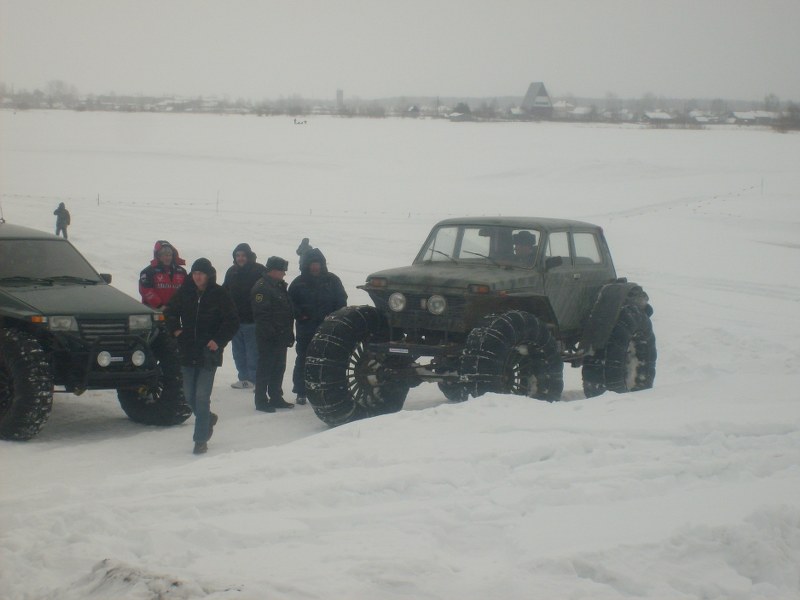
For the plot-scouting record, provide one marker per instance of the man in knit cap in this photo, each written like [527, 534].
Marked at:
[202, 317]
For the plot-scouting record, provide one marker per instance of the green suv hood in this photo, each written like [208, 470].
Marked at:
[82, 301]
[442, 276]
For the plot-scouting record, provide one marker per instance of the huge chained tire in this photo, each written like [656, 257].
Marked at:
[163, 404]
[513, 353]
[344, 381]
[455, 392]
[628, 361]
[26, 386]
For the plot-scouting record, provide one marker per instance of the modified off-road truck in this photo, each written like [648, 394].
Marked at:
[61, 324]
[495, 305]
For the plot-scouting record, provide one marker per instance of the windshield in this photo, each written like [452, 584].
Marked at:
[497, 245]
[43, 260]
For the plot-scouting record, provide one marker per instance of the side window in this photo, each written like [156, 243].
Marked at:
[586, 249]
[558, 245]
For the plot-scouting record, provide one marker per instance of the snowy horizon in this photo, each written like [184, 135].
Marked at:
[686, 490]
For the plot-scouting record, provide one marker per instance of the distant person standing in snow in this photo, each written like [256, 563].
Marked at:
[159, 281]
[202, 317]
[315, 294]
[62, 220]
[239, 280]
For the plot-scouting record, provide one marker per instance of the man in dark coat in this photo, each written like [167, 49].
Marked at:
[315, 294]
[62, 219]
[272, 311]
[202, 317]
[239, 281]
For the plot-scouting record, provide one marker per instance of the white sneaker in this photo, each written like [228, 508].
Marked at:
[243, 385]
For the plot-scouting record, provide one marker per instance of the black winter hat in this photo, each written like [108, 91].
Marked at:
[276, 263]
[525, 238]
[304, 247]
[204, 266]
[313, 255]
[243, 247]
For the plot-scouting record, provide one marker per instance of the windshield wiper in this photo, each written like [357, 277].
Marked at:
[445, 255]
[489, 258]
[23, 279]
[72, 279]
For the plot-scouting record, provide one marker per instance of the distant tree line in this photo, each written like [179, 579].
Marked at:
[658, 110]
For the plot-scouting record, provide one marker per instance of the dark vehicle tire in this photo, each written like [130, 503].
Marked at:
[513, 353]
[26, 386]
[628, 362]
[344, 381]
[163, 404]
[455, 392]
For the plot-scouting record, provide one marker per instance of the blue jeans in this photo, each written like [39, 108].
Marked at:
[197, 384]
[245, 352]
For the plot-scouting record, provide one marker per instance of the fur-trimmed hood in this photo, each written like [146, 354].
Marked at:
[176, 257]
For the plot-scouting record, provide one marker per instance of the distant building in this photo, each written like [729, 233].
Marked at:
[537, 101]
[753, 117]
[562, 109]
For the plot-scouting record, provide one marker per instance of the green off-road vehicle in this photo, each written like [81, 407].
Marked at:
[62, 325]
[493, 305]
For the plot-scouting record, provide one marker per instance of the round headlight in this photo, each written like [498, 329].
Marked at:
[137, 358]
[103, 358]
[436, 304]
[397, 302]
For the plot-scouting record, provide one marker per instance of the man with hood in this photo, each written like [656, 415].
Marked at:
[202, 317]
[315, 294]
[239, 280]
[272, 311]
[62, 219]
[159, 280]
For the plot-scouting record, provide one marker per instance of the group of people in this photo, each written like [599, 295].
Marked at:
[253, 309]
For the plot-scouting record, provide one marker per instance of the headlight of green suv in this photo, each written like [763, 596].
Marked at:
[62, 323]
[437, 304]
[140, 322]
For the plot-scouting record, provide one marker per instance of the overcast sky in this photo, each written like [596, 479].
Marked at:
[256, 49]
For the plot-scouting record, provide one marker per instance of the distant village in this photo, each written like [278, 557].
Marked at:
[535, 105]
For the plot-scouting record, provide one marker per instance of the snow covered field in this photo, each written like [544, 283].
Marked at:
[688, 490]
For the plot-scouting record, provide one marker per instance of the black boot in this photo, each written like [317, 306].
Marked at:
[264, 406]
[280, 403]
[211, 422]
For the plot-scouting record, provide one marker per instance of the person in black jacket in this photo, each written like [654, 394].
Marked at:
[315, 294]
[62, 219]
[272, 311]
[202, 317]
[239, 280]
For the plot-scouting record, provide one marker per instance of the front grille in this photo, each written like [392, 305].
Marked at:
[415, 317]
[111, 331]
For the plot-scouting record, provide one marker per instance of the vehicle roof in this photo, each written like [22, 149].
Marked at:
[542, 223]
[18, 232]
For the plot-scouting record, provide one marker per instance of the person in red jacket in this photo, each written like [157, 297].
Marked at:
[159, 281]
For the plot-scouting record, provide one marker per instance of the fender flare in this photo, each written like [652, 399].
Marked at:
[604, 313]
